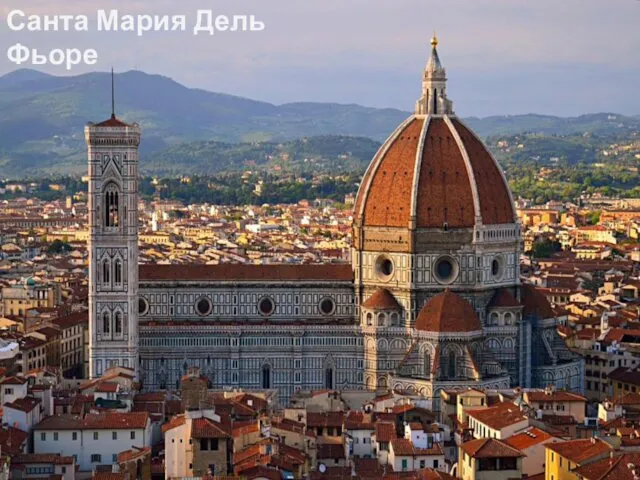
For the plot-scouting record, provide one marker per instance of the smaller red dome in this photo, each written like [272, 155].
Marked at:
[535, 302]
[382, 299]
[448, 312]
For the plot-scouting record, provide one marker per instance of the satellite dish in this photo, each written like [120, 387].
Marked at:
[322, 467]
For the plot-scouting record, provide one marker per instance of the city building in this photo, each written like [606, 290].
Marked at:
[432, 299]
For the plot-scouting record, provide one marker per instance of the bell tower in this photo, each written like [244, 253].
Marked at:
[113, 244]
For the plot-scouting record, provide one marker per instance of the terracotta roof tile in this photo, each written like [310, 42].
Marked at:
[385, 431]
[448, 312]
[495, 201]
[207, 428]
[503, 298]
[116, 420]
[388, 200]
[112, 122]
[535, 303]
[444, 187]
[382, 299]
[581, 450]
[499, 416]
[528, 438]
[489, 448]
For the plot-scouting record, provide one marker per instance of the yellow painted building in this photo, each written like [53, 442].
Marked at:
[562, 458]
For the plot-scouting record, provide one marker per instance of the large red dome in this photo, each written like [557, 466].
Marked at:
[433, 172]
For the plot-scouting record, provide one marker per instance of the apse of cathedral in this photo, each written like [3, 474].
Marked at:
[432, 300]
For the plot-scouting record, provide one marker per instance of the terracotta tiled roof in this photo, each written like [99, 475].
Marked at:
[112, 122]
[173, 423]
[13, 381]
[489, 448]
[116, 420]
[499, 416]
[385, 431]
[581, 450]
[444, 193]
[404, 447]
[61, 422]
[382, 299]
[12, 440]
[528, 438]
[358, 421]
[27, 458]
[535, 303]
[554, 396]
[503, 298]
[207, 428]
[26, 404]
[626, 375]
[448, 312]
[241, 272]
[133, 454]
[325, 419]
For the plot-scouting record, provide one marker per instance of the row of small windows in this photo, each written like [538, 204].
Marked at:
[204, 306]
[381, 320]
[249, 341]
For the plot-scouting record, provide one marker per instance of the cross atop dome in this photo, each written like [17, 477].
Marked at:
[434, 99]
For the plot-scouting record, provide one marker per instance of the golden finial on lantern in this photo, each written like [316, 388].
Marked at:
[434, 40]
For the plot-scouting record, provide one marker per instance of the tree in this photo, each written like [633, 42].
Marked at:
[58, 246]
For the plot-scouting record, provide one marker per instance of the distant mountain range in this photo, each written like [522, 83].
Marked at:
[42, 119]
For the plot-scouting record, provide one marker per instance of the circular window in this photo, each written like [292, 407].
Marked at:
[327, 306]
[203, 306]
[445, 270]
[266, 306]
[384, 267]
[143, 306]
[496, 267]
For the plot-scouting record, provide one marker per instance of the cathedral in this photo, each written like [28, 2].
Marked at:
[432, 300]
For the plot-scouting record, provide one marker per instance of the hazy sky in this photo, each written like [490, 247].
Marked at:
[563, 57]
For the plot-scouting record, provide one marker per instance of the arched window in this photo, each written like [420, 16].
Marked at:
[508, 318]
[117, 276]
[106, 323]
[427, 364]
[381, 317]
[117, 327]
[106, 272]
[451, 364]
[266, 377]
[494, 318]
[112, 206]
[394, 320]
[435, 102]
[369, 319]
[328, 378]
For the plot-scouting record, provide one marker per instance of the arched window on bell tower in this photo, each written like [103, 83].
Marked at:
[111, 206]
[106, 272]
[117, 272]
[117, 324]
[106, 324]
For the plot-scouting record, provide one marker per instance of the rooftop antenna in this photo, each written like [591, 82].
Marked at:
[113, 95]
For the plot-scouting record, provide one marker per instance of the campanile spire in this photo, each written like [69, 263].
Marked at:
[434, 99]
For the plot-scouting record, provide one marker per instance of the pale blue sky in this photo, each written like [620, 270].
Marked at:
[563, 57]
